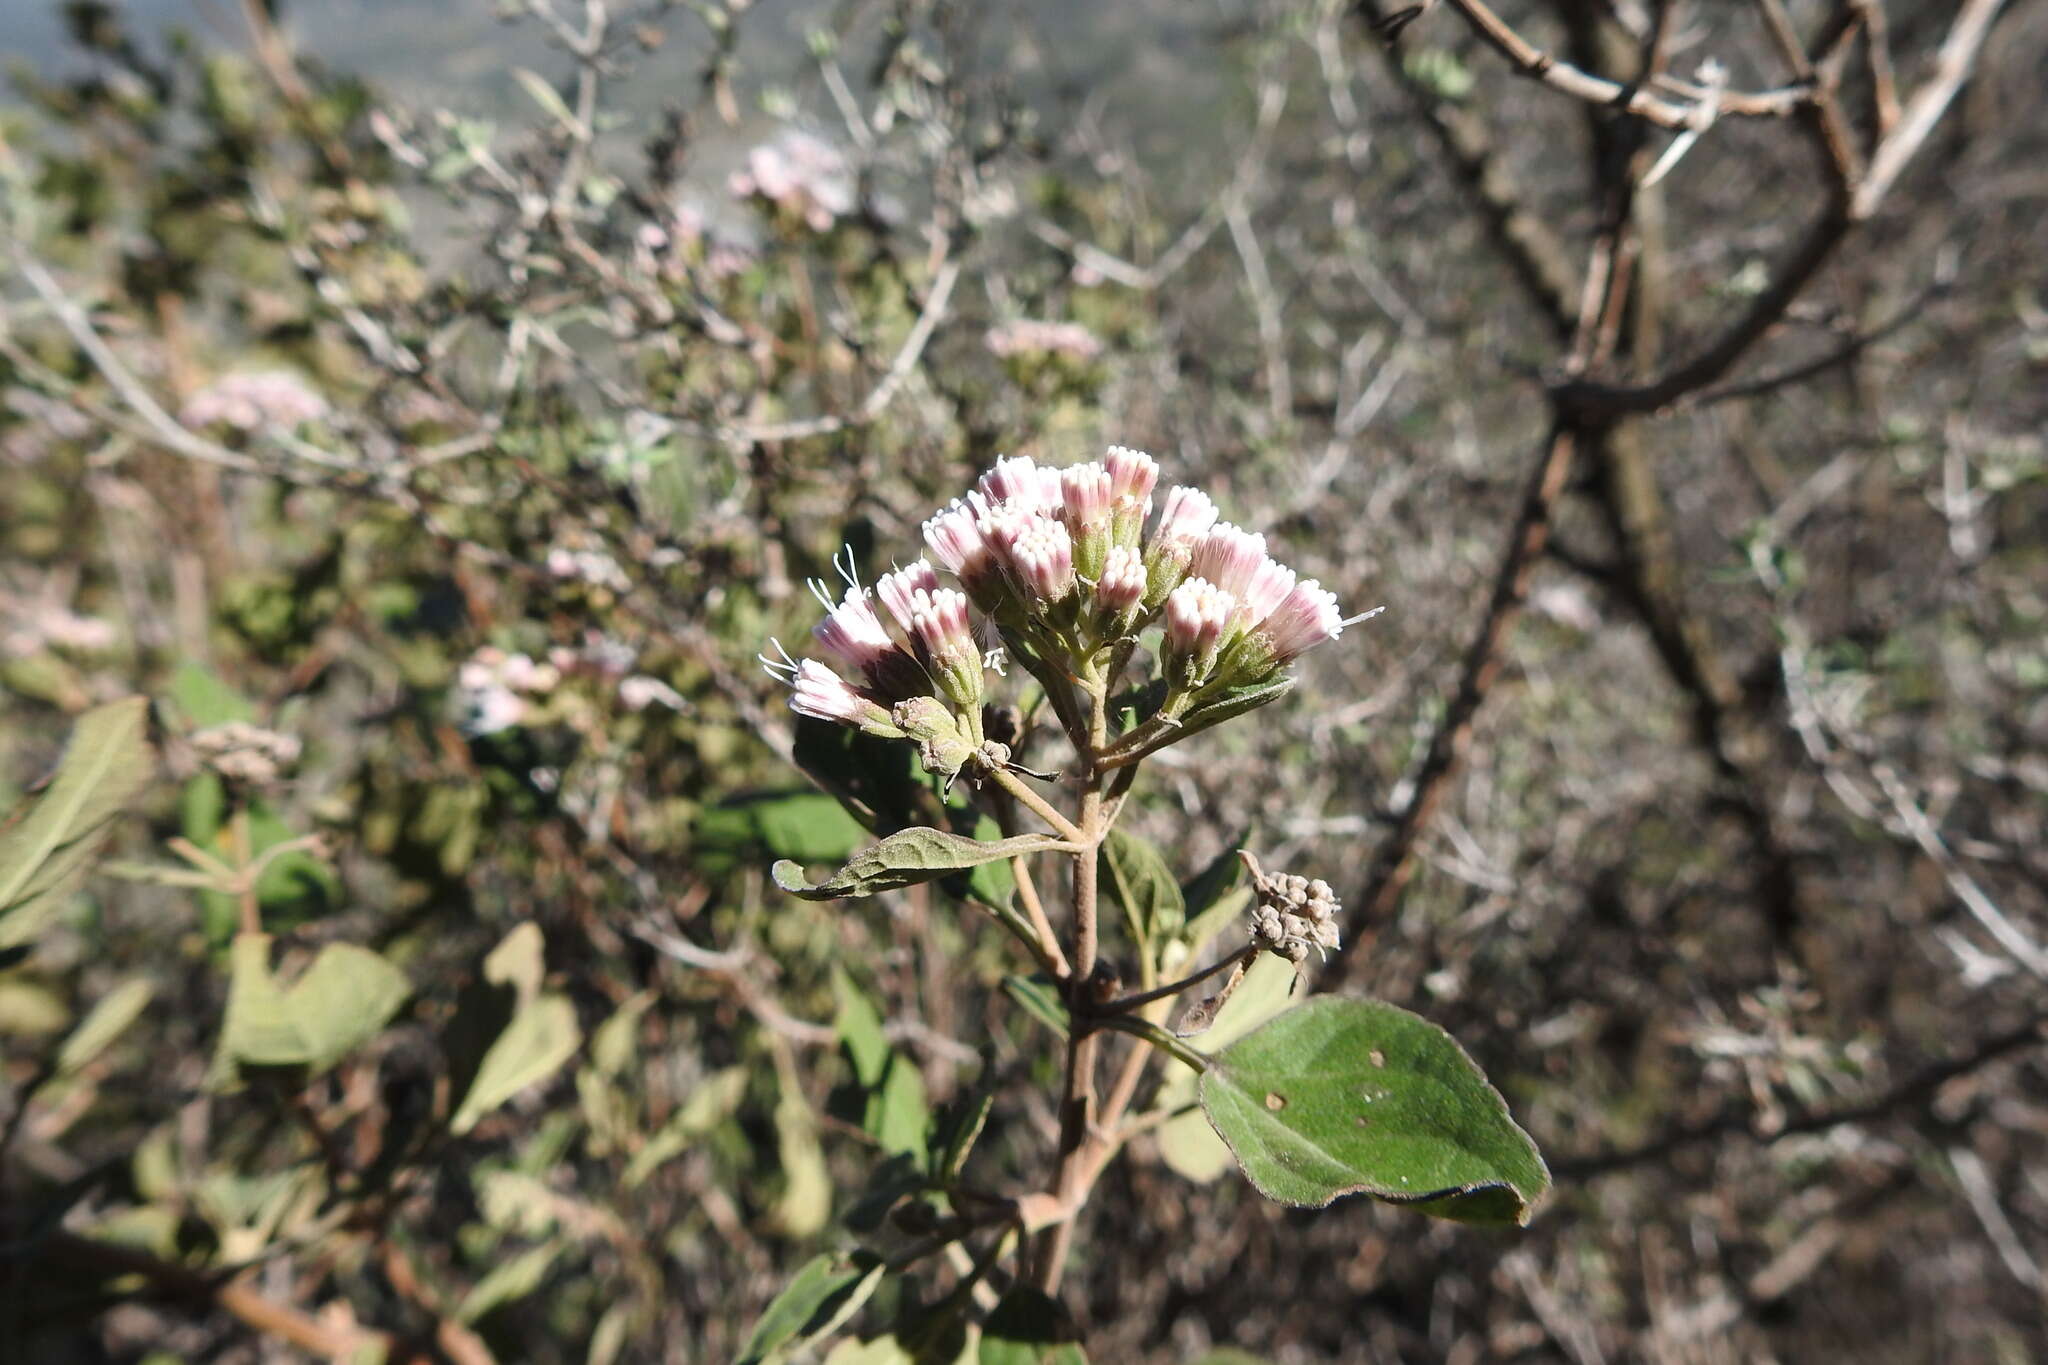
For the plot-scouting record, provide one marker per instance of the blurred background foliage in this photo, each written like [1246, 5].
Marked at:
[438, 454]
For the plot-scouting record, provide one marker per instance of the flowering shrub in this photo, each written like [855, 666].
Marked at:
[1068, 574]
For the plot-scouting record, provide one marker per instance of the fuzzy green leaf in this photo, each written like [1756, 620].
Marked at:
[108, 1020]
[45, 853]
[542, 1035]
[1040, 997]
[1341, 1096]
[816, 1303]
[1027, 1328]
[1136, 876]
[336, 1005]
[1188, 1145]
[920, 854]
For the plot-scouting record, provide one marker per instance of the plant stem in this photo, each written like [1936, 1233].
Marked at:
[1124, 1004]
[1077, 1105]
[1140, 1027]
[1021, 791]
[1054, 956]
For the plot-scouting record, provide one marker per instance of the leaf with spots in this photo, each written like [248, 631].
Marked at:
[1339, 1097]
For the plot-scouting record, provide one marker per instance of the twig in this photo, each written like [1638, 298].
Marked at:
[1529, 60]
[1395, 861]
[1734, 1122]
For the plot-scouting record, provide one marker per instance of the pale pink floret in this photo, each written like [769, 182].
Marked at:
[1308, 616]
[1229, 557]
[1017, 482]
[956, 539]
[1042, 559]
[852, 633]
[1270, 583]
[939, 622]
[1132, 473]
[1122, 585]
[1085, 491]
[899, 591]
[1197, 613]
[818, 691]
[1188, 515]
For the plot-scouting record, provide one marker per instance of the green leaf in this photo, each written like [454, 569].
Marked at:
[204, 699]
[805, 826]
[888, 1184]
[958, 1129]
[716, 1098]
[1213, 884]
[46, 852]
[336, 1005]
[1027, 1328]
[617, 1039]
[541, 1037]
[1040, 997]
[1234, 702]
[895, 1113]
[816, 1303]
[881, 1351]
[508, 1281]
[805, 1204]
[108, 1020]
[904, 859]
[1187, 1144]
[1136, 876]
[1341, 1096]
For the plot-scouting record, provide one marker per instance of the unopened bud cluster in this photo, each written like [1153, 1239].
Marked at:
[1293, 914]
[1065, 567]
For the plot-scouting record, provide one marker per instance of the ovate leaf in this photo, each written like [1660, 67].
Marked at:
[337, 1004]
[542, 1036]
[905, 858]
[1027, 1328]
[816, 1303]
[1136, 876]
[108, 1020]
[45, 853]
[1188, 1145]
[1341, 1096]
[1040, 997]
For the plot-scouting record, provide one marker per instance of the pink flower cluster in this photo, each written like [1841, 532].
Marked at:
[246, 401]
[804, 176]
[1060, 564]
[1029, 337]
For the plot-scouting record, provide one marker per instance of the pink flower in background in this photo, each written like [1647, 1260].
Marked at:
[1066, 340]
[803, 175]
[248, 401]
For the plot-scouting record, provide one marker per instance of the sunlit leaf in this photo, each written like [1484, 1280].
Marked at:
[46, 852]
[1188, 1145]
[1341, 1096]
[904, 859]
[1135, 875]
[814, 1304]
[338, 1003]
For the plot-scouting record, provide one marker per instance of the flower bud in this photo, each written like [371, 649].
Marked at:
[1132, 475]
[1085, 493]
[1228, 556]
[1017, 482]
[1121, 590]
[956, 540]
[899, 590]
[940, 745]
[1304, 618]
[1197, 614]
[1188, 514]
[1041, 561]
[945, 640]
